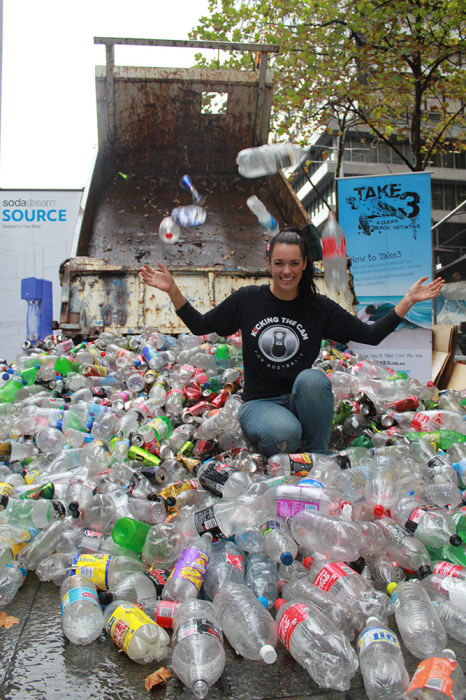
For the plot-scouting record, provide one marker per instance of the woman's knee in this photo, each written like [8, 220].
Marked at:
[313, 380]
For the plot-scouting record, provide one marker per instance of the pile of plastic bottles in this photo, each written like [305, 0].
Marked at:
[125, 480]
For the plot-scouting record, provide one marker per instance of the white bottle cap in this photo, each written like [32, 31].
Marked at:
[268, 654]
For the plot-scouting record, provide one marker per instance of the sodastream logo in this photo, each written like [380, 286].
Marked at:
[31, 211]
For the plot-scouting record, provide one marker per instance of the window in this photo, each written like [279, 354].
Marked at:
[437, 197]
[214, 102]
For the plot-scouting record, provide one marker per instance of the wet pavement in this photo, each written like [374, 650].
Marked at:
[38, 663]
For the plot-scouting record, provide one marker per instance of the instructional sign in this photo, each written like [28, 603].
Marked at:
[386, 220]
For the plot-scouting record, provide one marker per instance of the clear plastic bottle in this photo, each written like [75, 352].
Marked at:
[420, 628]
[262, 578]
[384, 570]
[198, 654]
[137, 587]
[189, 215]
[225, 566]
[28, 513]
[82, 618]
[381, 661]
[133, 631]
[302, 590]
[408, 552]
[268, 159]
[451, 618]
[215, 424]
[437, 678]
[431, 525]
[169, 230]
[187, 576]
[450, 587]
[162, 546]
[279, 544]
[316, 644]
[106, 570]
[334, 255]
[222, 478]
[248, 626]
[12, 577]
[333, 536]
[350, 588]
[264, 217]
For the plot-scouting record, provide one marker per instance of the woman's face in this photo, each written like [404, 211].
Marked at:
[286, 265]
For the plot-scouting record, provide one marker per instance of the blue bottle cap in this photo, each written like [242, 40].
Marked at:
[263, 600]
[286, 558]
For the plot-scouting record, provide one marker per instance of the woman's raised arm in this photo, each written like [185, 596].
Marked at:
[162, 279]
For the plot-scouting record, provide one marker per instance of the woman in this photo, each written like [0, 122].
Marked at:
[287, 404]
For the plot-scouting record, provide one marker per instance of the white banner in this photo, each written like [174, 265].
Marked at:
[37, 228]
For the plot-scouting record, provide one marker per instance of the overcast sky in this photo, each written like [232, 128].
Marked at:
[48, 119]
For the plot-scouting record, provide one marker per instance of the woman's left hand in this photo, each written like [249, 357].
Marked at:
[420, 291]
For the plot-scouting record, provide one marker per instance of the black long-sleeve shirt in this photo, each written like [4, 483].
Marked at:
[281, 338]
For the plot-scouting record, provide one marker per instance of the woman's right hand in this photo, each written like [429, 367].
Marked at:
[159, 278]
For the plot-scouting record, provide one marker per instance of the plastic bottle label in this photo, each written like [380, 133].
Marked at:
[330, 573]
[298, 460]
[395, 600]
[197, 626]
[59, 508]
[377, 634]
[446, 568]
[436, 674]
[16, 548]
[191, 566]
[159, 577]
[17, 568]
[5, 491]
[269, 526]
[165, 613]
[124, 623]
[333, 247]
[215, 477]
[289, 620]
[235, 560]
[205, 521]
[286, 509]
[92, 533]
[95, 566]
[77, 594]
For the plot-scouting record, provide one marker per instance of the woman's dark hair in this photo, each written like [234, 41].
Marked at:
[292, 236]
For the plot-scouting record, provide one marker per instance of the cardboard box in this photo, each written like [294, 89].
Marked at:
[457, 380]
[443, 354]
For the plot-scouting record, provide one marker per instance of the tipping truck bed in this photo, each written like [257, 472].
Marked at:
[154, 126]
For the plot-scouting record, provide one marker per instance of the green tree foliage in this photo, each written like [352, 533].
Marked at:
[393, 65]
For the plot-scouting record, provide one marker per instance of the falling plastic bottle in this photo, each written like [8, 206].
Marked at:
[169, 230]
[264, 217]
[268, 159]
[187, 184]
[334, 255]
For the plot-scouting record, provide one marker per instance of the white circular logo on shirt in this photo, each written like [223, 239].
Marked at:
[278, 343]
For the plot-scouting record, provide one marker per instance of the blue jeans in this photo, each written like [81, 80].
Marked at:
[300, 420]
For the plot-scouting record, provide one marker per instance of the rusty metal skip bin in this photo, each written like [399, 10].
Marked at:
[154, 126]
